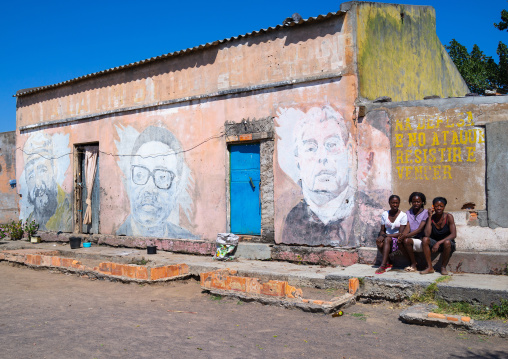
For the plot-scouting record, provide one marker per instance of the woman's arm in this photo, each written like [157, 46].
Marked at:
[400, 235]
[428, 224]
[416, 231]
[382, 235]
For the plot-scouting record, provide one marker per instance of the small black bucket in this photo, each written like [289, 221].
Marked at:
[75, 242]
[151, 249]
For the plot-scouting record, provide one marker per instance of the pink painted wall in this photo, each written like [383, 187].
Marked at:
[199, 128]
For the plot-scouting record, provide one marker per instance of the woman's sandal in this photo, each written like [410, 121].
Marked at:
[382, 269]
[410, 269]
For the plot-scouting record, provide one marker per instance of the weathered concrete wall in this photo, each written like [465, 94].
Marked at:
[497, 173]
[455, 148]
[9, 210]
[188, 141]
[164, 126]
[399, 54]
[313, 49]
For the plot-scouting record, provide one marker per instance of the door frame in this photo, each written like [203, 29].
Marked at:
[266, 150]
[78, 190]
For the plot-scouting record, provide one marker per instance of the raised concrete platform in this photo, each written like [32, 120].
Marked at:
[421, 314]
[461, 262]
[464, 262]
[394, 285]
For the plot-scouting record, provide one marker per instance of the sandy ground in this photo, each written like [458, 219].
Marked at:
[46, 314]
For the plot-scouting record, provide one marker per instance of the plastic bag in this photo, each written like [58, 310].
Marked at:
[226, 245]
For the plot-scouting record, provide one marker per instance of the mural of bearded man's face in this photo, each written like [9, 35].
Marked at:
[42, 187]
[153, 183]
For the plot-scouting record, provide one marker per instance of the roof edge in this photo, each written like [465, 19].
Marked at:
[32, 90]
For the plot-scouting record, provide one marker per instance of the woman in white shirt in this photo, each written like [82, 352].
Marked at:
[393, 223]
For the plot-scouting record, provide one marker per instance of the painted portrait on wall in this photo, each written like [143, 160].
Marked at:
[315, 149]
[157, 181]
[46, 159]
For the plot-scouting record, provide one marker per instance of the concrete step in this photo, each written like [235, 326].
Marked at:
[460, 262]
[395, 285]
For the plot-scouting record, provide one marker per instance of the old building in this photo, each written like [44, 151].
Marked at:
[271, 135]
[9, 210]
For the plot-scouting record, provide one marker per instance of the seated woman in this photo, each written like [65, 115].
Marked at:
[393, 223]
[440, 233]
[417, 218]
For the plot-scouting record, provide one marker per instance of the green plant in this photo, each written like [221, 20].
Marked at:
[15, 230]
[30, 228]
[4, 231]
[475, 311]
[139, 262]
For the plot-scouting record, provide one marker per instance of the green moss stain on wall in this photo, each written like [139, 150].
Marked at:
[400, 55]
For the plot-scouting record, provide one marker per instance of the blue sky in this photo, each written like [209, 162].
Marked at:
[46, 42]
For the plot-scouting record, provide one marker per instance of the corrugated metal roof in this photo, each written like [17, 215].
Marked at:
[181, 52]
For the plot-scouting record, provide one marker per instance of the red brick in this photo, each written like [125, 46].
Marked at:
[76, 264]
[129, 271]
[465, 319]
[105, 267]
[141, 272]
[292, 292]
[318, 302]
[55, 261]
[305, 300]
[158, 273]
[116, 269]
[33, 259]
[237, 283]
[184, 268]
[206, 279]
[274, 288]
[452, 319]
[66, 262]
[219, 281]
[354, 284]
[173, 271]
[46, 261]
[253, 286]
[2, 256]
[436, 316]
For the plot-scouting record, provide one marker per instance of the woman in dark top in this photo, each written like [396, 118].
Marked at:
[440, 233]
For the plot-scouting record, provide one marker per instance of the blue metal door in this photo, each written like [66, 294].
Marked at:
[245, 201]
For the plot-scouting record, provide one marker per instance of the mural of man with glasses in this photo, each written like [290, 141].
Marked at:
[155, 179]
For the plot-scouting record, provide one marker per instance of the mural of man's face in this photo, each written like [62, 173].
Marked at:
[42, 189]
[153, 183]
[323, 160]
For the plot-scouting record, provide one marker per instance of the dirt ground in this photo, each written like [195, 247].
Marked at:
[46, 314]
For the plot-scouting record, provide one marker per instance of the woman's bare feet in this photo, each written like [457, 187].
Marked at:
[427, 271]
[444, 271]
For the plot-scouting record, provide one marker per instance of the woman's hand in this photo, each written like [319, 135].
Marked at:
[435, 247]
[431, 211]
